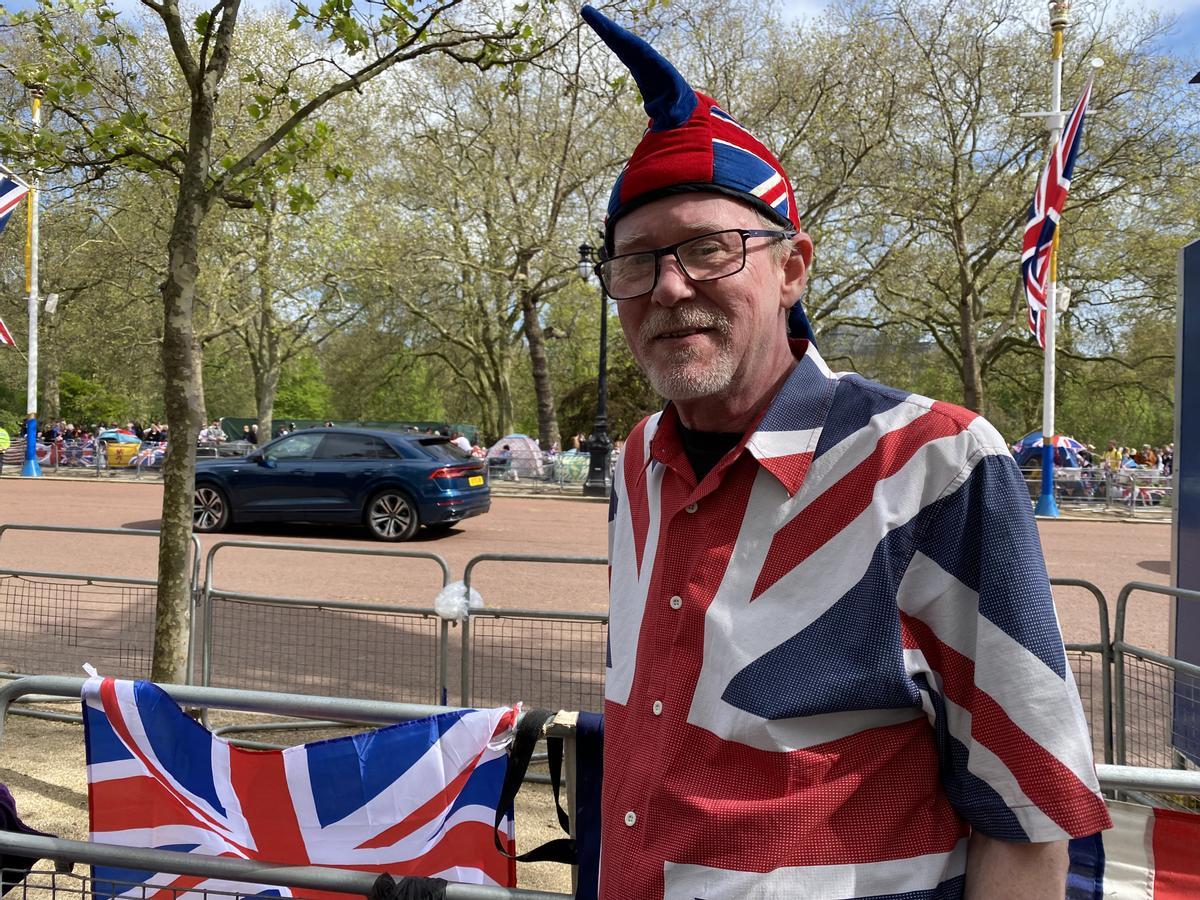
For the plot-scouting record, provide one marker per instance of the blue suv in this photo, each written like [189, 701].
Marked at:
[390, 482]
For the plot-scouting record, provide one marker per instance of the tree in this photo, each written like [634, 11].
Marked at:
[104, 124]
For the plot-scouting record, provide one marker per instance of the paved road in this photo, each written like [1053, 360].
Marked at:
[1108, 553]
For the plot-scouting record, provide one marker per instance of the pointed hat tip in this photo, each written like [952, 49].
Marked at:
[666, 96]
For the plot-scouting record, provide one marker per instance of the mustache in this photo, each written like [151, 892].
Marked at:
[660, 320]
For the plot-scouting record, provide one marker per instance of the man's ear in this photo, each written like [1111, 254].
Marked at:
[795, 269]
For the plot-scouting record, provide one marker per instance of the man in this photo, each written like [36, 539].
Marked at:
[460, 441]
[1112, 457]
[834, 664]
[1146, 457]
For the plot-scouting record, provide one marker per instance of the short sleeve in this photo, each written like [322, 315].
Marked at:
[983, 645]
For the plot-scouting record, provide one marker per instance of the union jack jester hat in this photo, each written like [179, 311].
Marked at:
[692, 144]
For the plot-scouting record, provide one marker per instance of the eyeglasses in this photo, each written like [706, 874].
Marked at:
[704, 258]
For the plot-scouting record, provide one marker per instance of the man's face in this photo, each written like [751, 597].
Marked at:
[715, 338]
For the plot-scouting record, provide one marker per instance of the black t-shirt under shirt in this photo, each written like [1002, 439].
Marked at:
[704, 449]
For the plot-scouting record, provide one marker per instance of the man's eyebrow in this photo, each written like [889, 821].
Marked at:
[697, 228]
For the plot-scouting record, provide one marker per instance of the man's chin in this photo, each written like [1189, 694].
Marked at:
[688, 383]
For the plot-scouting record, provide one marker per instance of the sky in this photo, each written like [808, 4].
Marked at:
[1183, 41]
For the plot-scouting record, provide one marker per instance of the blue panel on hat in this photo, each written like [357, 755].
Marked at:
[667, 97]
[740, 169]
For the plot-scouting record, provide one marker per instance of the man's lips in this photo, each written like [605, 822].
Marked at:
[680, 333]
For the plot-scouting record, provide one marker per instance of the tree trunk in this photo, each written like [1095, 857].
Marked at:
[180, 383]
[972, 373]
[540, 366]
[265, 361]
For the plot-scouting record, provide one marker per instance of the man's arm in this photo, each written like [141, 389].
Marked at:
[1006, 869]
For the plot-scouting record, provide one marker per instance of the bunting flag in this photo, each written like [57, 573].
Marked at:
[1044, 214]
[1150, 854]
[417, 798]
[12, 192]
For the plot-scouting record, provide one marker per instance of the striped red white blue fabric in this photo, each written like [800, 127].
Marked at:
[417, 798]
[6, 338]
[1044, 213]
[833, 657]
[12, 192]
[1150, 854]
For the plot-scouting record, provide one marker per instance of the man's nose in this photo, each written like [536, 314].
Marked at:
[673, 285]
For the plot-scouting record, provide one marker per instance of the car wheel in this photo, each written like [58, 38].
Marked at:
[210, 511]
[391, 516]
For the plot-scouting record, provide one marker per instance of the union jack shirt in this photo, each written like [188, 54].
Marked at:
[832, 658]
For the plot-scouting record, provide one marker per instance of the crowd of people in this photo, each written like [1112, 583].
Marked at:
[56, 430]
[1160, 460]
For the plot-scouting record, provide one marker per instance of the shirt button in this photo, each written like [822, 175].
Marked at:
[657, 707]
[631, 818]
[676, 602]
[691, 507]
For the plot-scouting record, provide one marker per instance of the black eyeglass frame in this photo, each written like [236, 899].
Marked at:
[673, 250]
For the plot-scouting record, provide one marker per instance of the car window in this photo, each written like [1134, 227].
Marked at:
[294, 446]
[354, 446]
[442, 448]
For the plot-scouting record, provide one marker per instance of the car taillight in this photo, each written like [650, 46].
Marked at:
[455, 472]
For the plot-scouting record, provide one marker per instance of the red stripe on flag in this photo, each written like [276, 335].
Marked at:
[633, 469]
[1042, 777]
[1174, 838]
[260, 783]
[842, 503]
[431, 809]
[117, 719]
[137, 802]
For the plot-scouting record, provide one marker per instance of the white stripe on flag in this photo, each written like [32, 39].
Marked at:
[1128, 853]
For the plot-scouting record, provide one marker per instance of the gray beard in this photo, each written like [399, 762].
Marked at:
[677, 379]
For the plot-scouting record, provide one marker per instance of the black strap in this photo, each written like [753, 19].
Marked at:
[528, 733]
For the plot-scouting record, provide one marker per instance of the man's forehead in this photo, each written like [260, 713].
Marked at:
[676, 218]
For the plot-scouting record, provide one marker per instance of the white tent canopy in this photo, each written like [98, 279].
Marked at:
[523, 452]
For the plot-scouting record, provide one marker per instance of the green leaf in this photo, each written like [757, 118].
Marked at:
[202, 23]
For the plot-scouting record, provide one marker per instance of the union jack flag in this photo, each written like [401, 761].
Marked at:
[6, 338]
[1044, 214]
[418, 798]
[12, 192]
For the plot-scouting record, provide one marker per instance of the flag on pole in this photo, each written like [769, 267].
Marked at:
[1149, 854]
[417, 798]
[1044, 214]
[6, 338]
[12, 192]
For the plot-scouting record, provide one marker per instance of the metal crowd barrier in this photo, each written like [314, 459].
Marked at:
[374, 712]
[1147, 684]
[546, 658]
[1083, 657]
[54, 620]
[279, 642]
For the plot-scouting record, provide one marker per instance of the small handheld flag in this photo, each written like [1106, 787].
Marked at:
[12, 192]
[1044, 213]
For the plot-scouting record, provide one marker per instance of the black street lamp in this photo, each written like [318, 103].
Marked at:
[599, 444]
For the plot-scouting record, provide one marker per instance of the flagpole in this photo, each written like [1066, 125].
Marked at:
[1046, 505]
[31, 468]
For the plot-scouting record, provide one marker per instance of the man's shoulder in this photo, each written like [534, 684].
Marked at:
[856, 391]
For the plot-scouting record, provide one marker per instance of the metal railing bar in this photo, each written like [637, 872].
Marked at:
[1120, 648]
[351, 605]
[1105, 649]
[557, 614]
[136, 532]
[1175, 781]
[529, 557]
[232, 869]
[238, 700]
[321, 548]
[80, 576]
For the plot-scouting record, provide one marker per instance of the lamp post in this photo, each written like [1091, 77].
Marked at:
[599, 443]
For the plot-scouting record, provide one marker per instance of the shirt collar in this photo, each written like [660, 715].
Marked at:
[786, 435]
